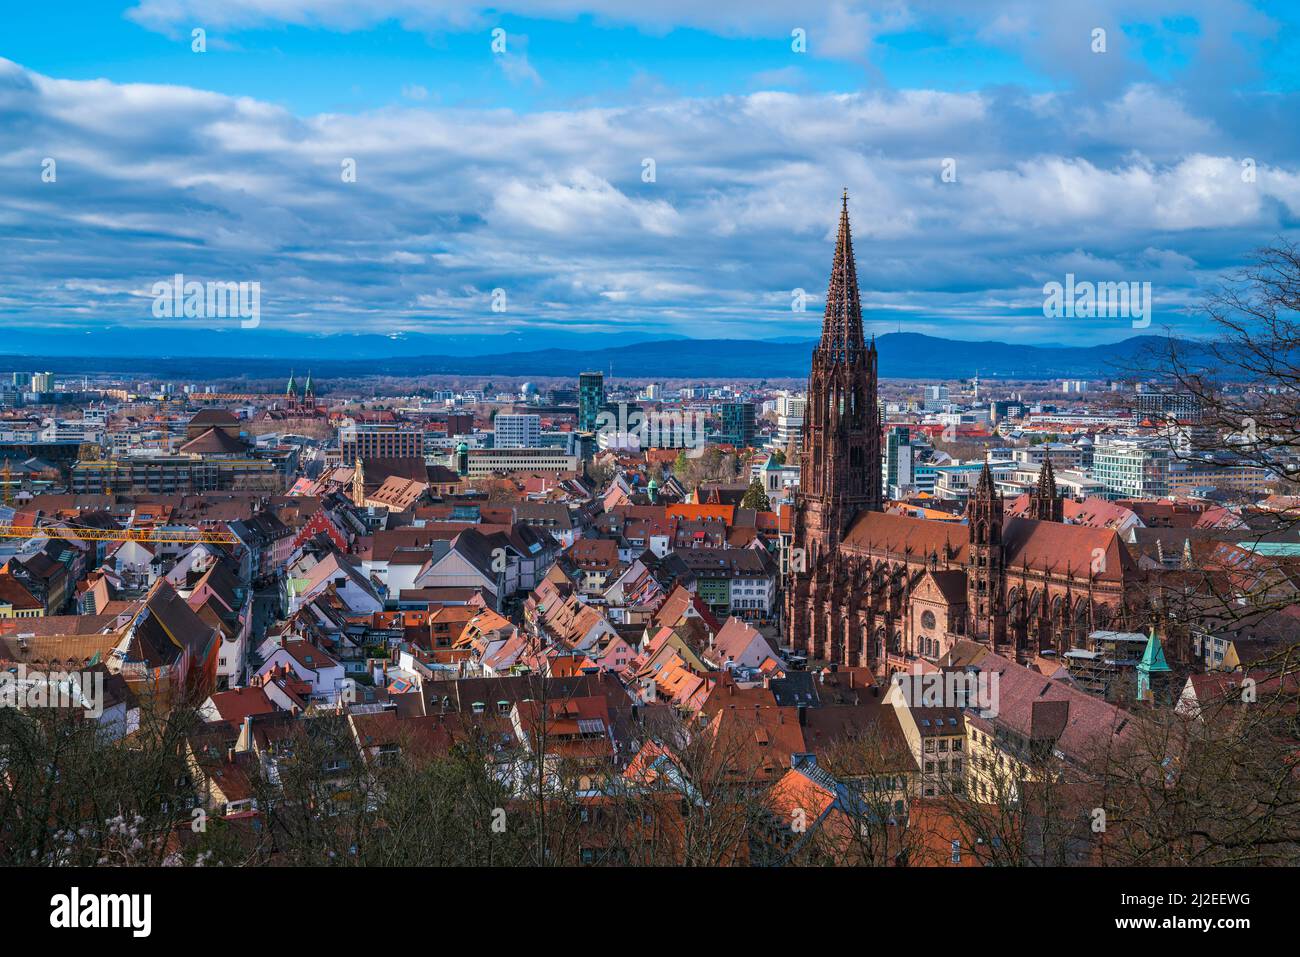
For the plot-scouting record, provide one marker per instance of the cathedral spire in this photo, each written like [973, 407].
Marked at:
[842, 321]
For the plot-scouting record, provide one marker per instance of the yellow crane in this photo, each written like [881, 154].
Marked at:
[199, 537]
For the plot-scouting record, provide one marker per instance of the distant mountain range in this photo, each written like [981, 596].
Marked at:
[902, 355]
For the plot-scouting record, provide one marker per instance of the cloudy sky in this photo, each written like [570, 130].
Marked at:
[625, 169]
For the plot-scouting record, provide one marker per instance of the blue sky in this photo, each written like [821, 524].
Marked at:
[522, 171]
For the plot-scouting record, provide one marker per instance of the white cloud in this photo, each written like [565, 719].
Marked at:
[451, 203]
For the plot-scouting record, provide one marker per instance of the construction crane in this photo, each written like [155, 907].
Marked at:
[119, 534]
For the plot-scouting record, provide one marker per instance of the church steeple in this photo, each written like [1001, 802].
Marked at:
[842, 322]
[839, 476]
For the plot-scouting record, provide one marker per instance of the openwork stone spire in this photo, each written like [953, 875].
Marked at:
[842, 322]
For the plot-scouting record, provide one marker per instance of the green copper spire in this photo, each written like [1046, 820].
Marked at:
[1153, 662]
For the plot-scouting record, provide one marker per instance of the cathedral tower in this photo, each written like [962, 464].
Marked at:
[839, 475]
[840, 462]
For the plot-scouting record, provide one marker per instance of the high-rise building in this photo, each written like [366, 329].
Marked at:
[737, 424]
[517, 431]
[898, 457]
[591, 400]
[1005, 409]
[789, 420]
[936, 398]
[42, 382]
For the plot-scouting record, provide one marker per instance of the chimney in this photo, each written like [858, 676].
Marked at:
[803, 715]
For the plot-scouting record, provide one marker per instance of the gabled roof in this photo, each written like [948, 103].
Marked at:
[213, 442]
[1044, 709]
[165, 628]
[15, 593]
[237, 703]
[213, 417]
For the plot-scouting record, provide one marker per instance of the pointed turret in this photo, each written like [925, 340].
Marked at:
[1044, 504]
[1047, 479]
[288, 389]
[1152, 671]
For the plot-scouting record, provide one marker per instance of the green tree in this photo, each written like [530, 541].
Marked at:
[755, 497]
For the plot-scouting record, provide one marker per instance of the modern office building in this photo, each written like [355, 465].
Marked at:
[483, 462]
[789, 420]
[1161, 405]
[175, 475]
[897, 461]
[737, 424]
[936, 398]
[390, 440]
[517, 431]
[1131, 469]
[591, 400]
